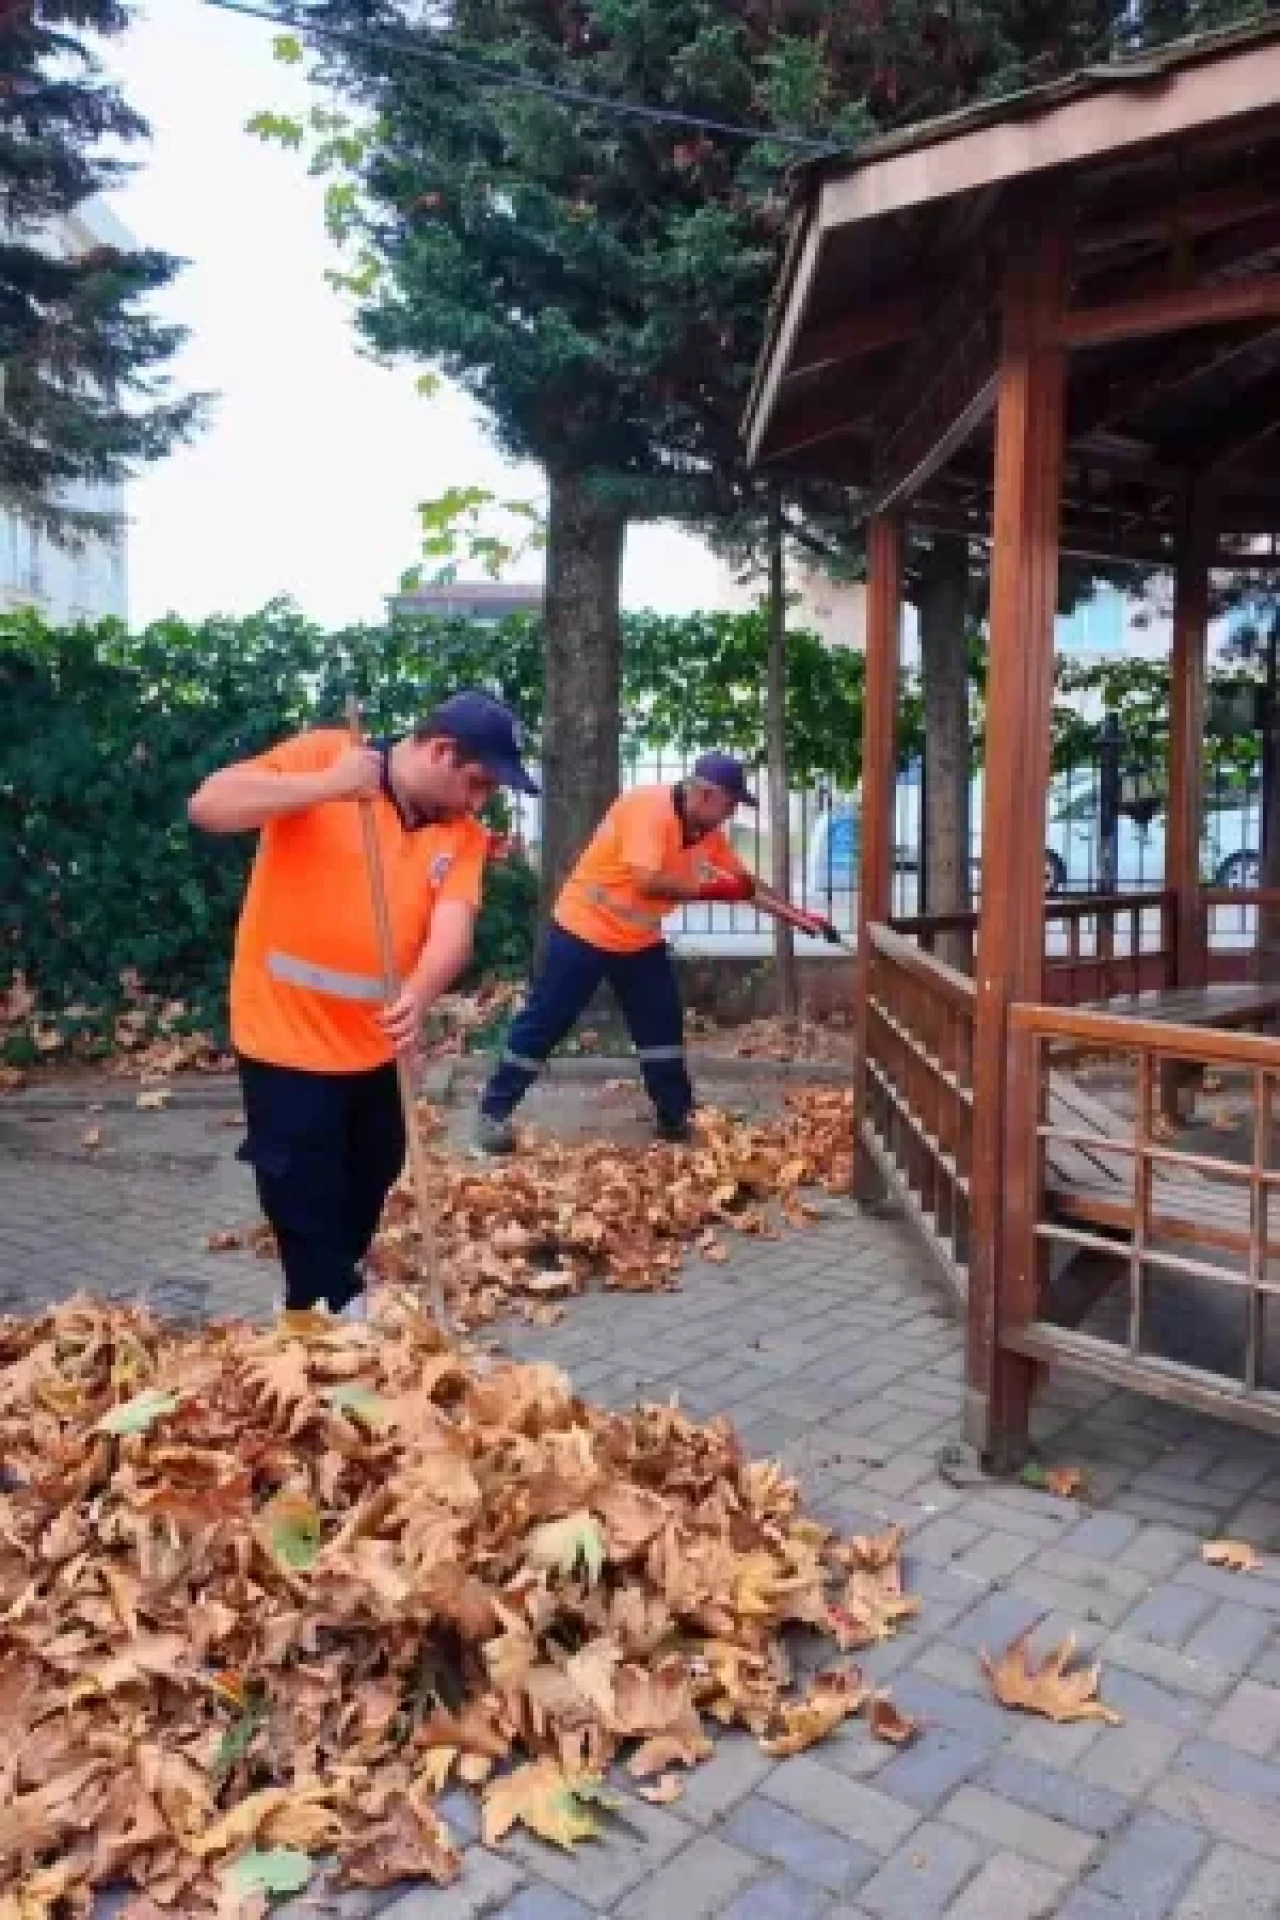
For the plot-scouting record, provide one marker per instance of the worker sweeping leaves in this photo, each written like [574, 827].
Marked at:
[657, 848]
[314, 1035]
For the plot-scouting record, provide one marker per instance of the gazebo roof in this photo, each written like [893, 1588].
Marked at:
[878, 371]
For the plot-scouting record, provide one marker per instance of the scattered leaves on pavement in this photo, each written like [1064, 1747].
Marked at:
[523, 1233]
[1058, 1688]
[266, 1594]
[1235, 1555]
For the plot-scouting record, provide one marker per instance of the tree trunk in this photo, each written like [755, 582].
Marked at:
[784, 947]
[581, 727]
[944, 660]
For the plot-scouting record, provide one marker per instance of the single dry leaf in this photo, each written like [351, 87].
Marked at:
[542, 1797]
[663, 1791]
[154, 1100]
[1236, 1555]
[799, 1724]
[91, 1137]
[1058, 1688]
[1064, 1482]
[889, 1723]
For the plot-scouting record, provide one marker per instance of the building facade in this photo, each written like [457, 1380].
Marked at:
[87, 581]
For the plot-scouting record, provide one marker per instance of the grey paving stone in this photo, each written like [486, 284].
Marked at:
[813, 1853]
[930, 1700]
[1010, 1888]
[630, 1847]
[923, 1876]
[1019, 1829]
[1169, 1615]
[697, 1882]
[1234, 1772]
[1231, 1637]
[1249, 1719]
[1129, 1758]
[860, 1813]
[1141, 1699]
[1060, 1796]
[932, 1767]
[995, 1621]
[544, 1903]
[735, 1769]
[1102, 1534]
[1245, 1823]
[1232, 1883]
[1146, 1868]
[487, 1880]
[779, 1896]
[1087, 1903]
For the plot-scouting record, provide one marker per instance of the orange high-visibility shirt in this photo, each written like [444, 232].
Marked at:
[641, 833]
[306, 985]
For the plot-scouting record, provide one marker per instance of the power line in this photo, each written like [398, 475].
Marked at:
[413, 47]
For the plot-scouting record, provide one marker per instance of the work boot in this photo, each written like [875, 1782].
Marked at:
[676, 1133]
[493, 1138]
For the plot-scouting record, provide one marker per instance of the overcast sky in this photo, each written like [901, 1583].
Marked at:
[307, 480]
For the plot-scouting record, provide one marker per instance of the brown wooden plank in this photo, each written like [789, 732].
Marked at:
[1024, 591]
[1171, 310]
[879, 760]
[1186, 738]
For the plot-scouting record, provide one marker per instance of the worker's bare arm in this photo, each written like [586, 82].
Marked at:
[241, 798]
[444, 958]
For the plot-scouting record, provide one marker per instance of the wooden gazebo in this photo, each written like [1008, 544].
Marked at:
[1054, 322]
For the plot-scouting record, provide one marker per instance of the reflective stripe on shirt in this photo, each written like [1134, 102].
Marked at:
[341, 986]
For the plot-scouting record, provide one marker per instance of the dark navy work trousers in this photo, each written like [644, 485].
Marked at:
[326, 1149]
[645, 987]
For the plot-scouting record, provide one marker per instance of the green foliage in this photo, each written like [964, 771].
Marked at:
[85, 397]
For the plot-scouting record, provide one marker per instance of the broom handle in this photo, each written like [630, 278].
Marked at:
[419, 1172]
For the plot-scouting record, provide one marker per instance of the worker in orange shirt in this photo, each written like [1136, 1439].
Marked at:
[315, 1039]
[656, 848]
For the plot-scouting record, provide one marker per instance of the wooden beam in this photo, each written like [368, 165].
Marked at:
[1199, 213]
[1186, 739]
[816, 418]
[1173, 311]
[1024, 598]
[885, 559]
[946, 388]
[802, 254]
[1110, 402]
[838, 341]
[1209, 88]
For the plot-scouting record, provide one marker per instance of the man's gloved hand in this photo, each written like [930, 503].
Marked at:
[732, 887]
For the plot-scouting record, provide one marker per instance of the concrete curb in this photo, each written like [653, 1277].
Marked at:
[438, 1082]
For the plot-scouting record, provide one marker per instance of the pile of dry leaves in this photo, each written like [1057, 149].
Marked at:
[264, 1595]
[523, 1234]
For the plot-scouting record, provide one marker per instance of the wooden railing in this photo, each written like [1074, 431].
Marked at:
[1096, 946]
[1238, 923]
[918, 1119]
[1174, 1251]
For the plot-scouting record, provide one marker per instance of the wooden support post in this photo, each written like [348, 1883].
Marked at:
[1186, 742]
[1010, 963]
[1186, 773]
[879, 767]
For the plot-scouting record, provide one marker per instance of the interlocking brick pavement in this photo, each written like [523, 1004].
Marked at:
[832, 1349]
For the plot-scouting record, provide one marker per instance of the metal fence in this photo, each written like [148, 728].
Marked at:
[1105, 825]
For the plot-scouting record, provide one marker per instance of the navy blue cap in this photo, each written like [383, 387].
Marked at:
[723, 771]
[488, 733]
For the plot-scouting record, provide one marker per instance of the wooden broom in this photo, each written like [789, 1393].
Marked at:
[419, 1173]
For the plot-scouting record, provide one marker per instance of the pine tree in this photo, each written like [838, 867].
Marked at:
[84, 396]
[600, 282]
